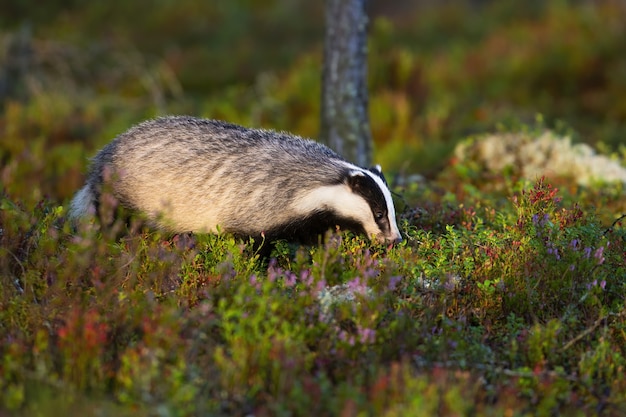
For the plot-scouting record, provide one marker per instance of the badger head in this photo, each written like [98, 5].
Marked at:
[372, 205]
[360, 202]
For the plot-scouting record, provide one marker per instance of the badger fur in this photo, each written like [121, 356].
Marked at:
[197, 175]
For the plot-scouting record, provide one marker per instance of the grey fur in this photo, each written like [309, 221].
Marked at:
[190, 174]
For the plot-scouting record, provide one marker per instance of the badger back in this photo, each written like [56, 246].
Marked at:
[189, 174]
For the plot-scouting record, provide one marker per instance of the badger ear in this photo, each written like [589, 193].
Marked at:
[377, 170]
[355, 179]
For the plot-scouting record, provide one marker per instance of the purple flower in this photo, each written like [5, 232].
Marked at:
[370, 273]
[599, 255]
[575, 244]
[587, 251]
[273, 271]
[321, 284]
[356, 286]
[554, 251]
[367, 335]
[290, 280]
[306, 278]
[594, 283]
[393, 282]
[344, 337]
[540, 222]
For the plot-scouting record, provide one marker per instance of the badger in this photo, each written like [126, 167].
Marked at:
[188, 174]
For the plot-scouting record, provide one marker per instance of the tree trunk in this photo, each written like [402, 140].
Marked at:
[345, 121]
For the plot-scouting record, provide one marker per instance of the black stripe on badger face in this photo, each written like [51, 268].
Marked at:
[365, 186]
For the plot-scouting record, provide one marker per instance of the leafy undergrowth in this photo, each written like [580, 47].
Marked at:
[506, 297]
[510, 308]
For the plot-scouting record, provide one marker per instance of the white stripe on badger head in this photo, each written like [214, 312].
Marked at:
[395, 232]
[340, 199]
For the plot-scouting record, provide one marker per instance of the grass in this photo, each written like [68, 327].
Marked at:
[505, 298]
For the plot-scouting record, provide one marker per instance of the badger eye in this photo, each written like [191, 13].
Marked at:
[379, 215]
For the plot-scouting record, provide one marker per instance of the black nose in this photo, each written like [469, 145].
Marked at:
[397, 240]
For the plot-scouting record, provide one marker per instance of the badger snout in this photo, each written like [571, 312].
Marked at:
[390, 240]
[396, 240]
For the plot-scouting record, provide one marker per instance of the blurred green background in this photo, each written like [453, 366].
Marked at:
[73, 74]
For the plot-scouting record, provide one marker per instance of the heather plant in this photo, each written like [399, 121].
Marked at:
[506, 296]
[527, 296]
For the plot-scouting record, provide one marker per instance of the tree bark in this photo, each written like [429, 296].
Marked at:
[344, 112]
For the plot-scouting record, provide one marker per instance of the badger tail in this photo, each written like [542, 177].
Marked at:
[83, 204]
